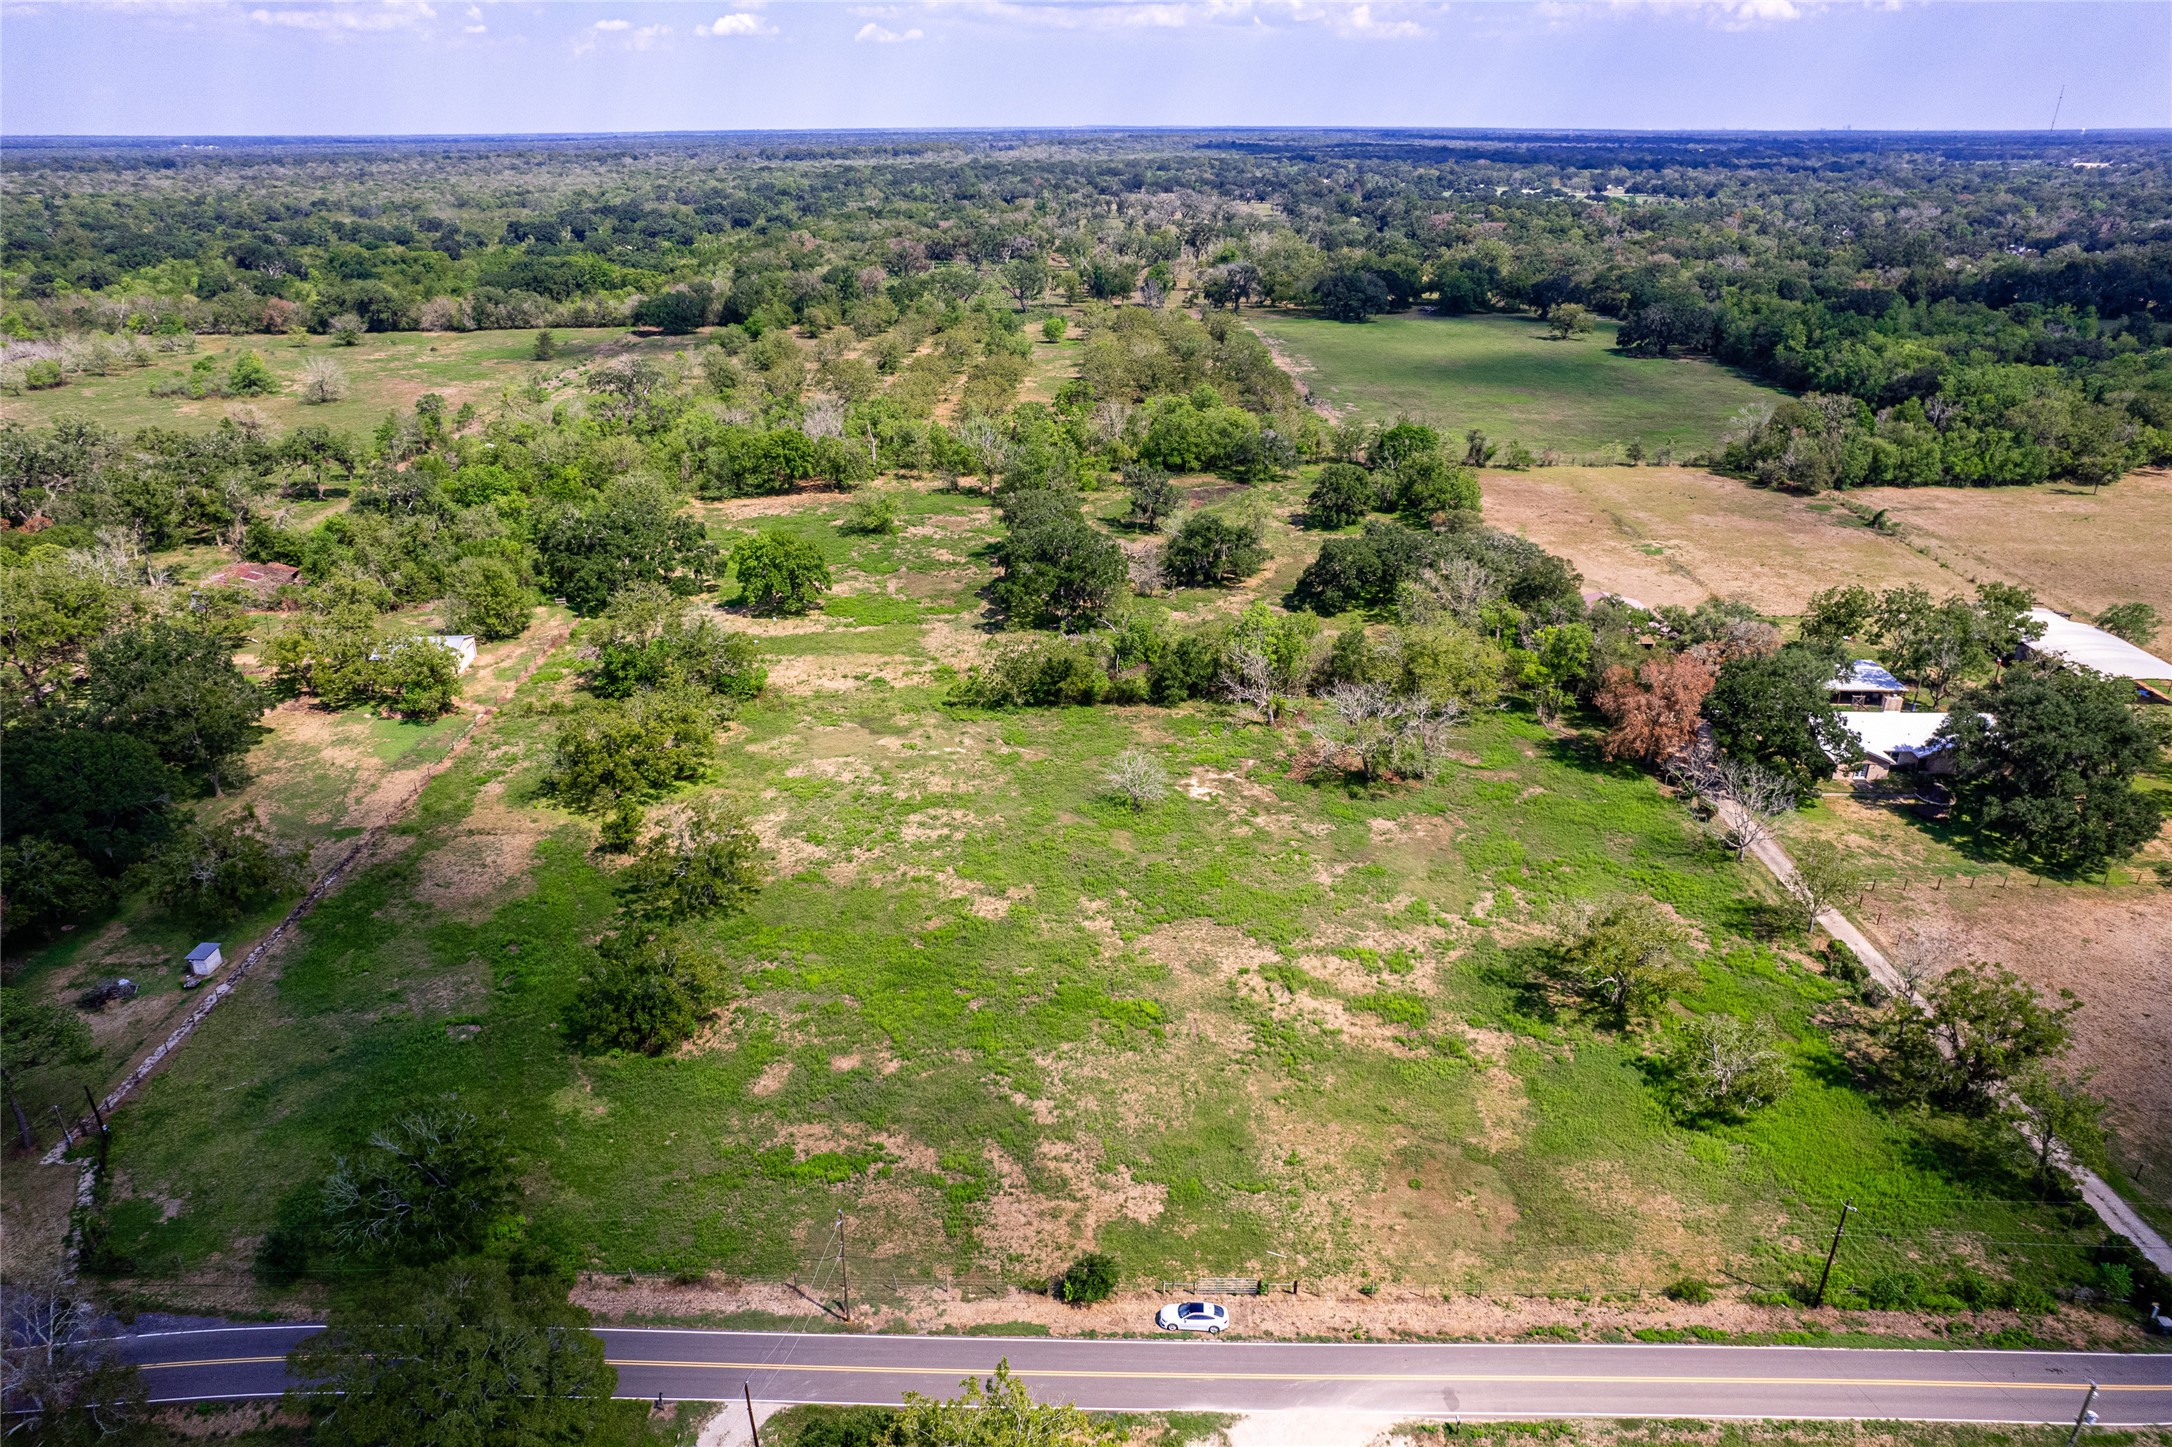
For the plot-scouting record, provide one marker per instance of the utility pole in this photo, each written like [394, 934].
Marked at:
[1827, 1275]
[2085, 1419]
[65, 1133]
[96, 1114]
[844, 1273]
[754, 1428]
[2056, 106]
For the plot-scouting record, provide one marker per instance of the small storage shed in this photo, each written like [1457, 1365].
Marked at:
[460, 645]
[1865, 685]
[205, 958]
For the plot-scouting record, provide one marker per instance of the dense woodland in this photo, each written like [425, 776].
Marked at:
[1961, 310]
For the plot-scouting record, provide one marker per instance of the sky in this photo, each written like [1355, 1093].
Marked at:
[405, 67]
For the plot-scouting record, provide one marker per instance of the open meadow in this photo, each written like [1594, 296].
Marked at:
[384, 371]
[1507, 377]
[1269, 1026]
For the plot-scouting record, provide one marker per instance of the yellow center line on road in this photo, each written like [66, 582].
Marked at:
[887, 1371]
[1419, 1377]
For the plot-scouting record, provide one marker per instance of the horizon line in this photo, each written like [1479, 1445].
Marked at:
[2163, 133]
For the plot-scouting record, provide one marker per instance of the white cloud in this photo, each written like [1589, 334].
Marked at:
[614, 25]
[1726, 14]
[1359, 19]
[737, 23]
[352, 19]
[871, 33]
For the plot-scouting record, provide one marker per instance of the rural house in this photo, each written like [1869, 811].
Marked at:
[1866, 685]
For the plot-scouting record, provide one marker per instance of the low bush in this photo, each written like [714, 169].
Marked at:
[1089, 1279]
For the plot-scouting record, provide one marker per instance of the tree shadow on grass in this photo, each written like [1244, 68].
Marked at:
[1525, 977]
[1585, 752]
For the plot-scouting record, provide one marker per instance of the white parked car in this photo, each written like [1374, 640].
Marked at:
[1192, 1316]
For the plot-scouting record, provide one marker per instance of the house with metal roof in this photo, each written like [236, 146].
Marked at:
[1898, 742]
[1866, 685]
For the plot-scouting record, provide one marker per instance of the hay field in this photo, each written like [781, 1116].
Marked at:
[1680, 535]
[2080, 551]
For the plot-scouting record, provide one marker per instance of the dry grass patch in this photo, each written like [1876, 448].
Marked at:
[1677, 535]
[2079, 551]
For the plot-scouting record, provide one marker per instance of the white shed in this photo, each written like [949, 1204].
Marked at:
[460, 645]
[2093, 648]
[205, 958]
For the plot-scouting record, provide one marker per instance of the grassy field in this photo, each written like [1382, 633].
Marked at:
[1270, 1025]
[386, 371]
[2103, 939]
[1508, 378]
[1677, 535]
[2080, 550]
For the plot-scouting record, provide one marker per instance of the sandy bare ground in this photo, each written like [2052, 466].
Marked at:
[1677, 535]
[2080, 551]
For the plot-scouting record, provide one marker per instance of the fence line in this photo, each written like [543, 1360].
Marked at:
[309, 901]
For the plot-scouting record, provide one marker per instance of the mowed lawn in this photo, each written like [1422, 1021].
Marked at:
[1273, 1024]
[1505, 376]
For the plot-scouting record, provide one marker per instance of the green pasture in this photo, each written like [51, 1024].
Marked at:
[1288, 1016]
[386, 372]
[1507, 377]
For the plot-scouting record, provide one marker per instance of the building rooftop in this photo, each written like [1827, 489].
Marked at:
[205, 950]
[2107, 653]
[1864, 676]
[1890, 736]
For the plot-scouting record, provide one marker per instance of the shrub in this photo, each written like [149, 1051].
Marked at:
[1841, 964]
[323, 380]
[1893, 1291]
[650, 638]
[1138, 779]
[637, 750]
[1089, 1279]
[710, 864]
[779, 574]
[1040, 672]
[1690, 1290]
[1341, 494]
[249, 377]
[1427, 487]
[873, 514]
[43, 375]
[647, 994]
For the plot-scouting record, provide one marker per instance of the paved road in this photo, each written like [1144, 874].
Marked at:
[1233, 1376]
